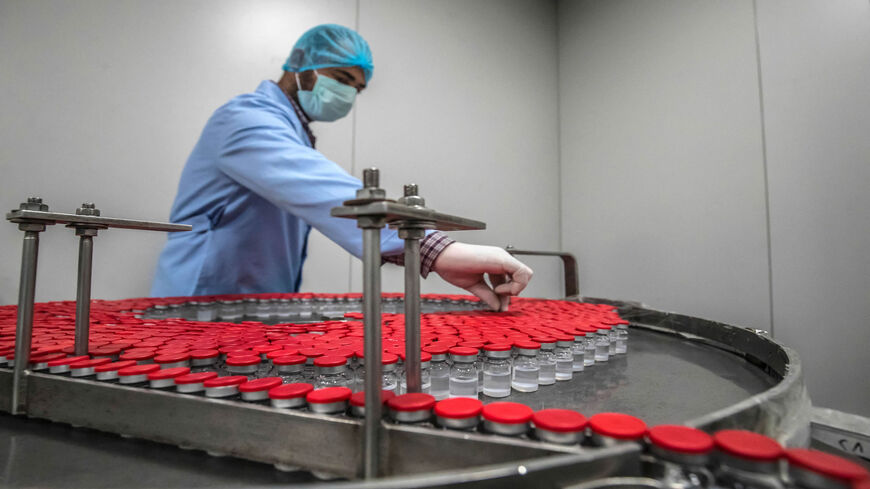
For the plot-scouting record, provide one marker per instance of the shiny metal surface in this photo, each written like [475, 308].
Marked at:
[569, 266]
[393, 211]
[83, 294]
[24, 325]
[112, 222]
[412, 315]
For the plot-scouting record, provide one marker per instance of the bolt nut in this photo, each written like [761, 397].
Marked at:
[33, 204]
[88, 209]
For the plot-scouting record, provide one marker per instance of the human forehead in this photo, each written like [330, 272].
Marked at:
[349, 75]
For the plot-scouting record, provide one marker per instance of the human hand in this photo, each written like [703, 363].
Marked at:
[464, 265]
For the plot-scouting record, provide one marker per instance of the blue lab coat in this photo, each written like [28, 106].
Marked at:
[252, 189]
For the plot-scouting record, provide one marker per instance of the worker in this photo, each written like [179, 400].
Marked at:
[255, 185]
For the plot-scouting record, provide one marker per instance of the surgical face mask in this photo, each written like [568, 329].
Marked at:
[329, 100]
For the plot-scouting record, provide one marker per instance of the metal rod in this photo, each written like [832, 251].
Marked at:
[372, 328]
[83, 294]
[412, 315]
[24, 328]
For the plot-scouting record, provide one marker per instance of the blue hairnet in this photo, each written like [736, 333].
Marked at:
[328, 46]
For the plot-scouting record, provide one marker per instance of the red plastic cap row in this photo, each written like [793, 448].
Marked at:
[748, 445]
[290, 391]
[681, 439]
[195, 378]
[330, 361]
[168, 373]
[618, 425]
[261, 384]
[328, 395]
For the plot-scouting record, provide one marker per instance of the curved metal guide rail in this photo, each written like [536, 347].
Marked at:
[678, 369]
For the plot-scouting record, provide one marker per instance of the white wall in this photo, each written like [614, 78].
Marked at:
[675, 145]
[103, 101]
[662, 165]
[816, 74]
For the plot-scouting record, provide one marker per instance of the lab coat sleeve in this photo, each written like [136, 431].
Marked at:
[270, 159]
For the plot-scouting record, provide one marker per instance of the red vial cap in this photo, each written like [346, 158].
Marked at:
[312, 352]
[748, 445]
[826, 464]
[463, 351]
[171, 358]
[389, 358]
[559, 420]
[545, 339]
[330, 361]
[139, 369]
[203, 354]
[328, 395]
[225, 381]
[497, 347]
[195, 378]
[290, 391]
[47, 357]
[527, 345]
[415, 401]
[507, 413]
[436, 349]
[244, 360]
[168, 373]
[681, 439]
[90, 363]
[67, 361]
[358, 399]
[289, 360]
[137, 355]
[108, 367]
[458, 408]
[105, 350]
[262, 384]
[618, 425]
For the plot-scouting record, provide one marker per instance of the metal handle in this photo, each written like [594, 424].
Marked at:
[569, 263]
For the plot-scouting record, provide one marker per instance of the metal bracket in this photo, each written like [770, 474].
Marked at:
[373, 210]
[32, 217]
[569, 263]
[846, 432]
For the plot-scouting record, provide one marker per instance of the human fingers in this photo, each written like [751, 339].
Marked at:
[486, 294]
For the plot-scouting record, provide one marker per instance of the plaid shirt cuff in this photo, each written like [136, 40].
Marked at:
[430, 247]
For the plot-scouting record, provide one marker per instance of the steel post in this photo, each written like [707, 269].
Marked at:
[24, 327]
[83, 294]
[412, 315]
[372, 328]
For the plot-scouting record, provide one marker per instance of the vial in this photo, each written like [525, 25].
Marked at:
[331, 372]
[425, 376]
[562, 426]
[203, 360]
[526, 371]
[439, 372]
[680, 456]
[497, 370]
[622, 336]
[258, 390]
[478, 364]
[415, 407]
[610, 429]
[290, 396]
[289, 368]
[546, 360]
[602, 344]
[390, 380]
[463, 374]
[589, 357]
[310, 354]
[460, 413]
[507, 418]
[579, 351]
[564, 357]
[812, 469]
[747, 459]
[246, 365]
[329, 400]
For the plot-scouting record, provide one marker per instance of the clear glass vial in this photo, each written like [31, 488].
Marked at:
[564, 354]
[602, 344]
[526, 371]
[439, 372]
[463, 374]
[547, 360]
[497, 370]
[579, 351]
[331, 372]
